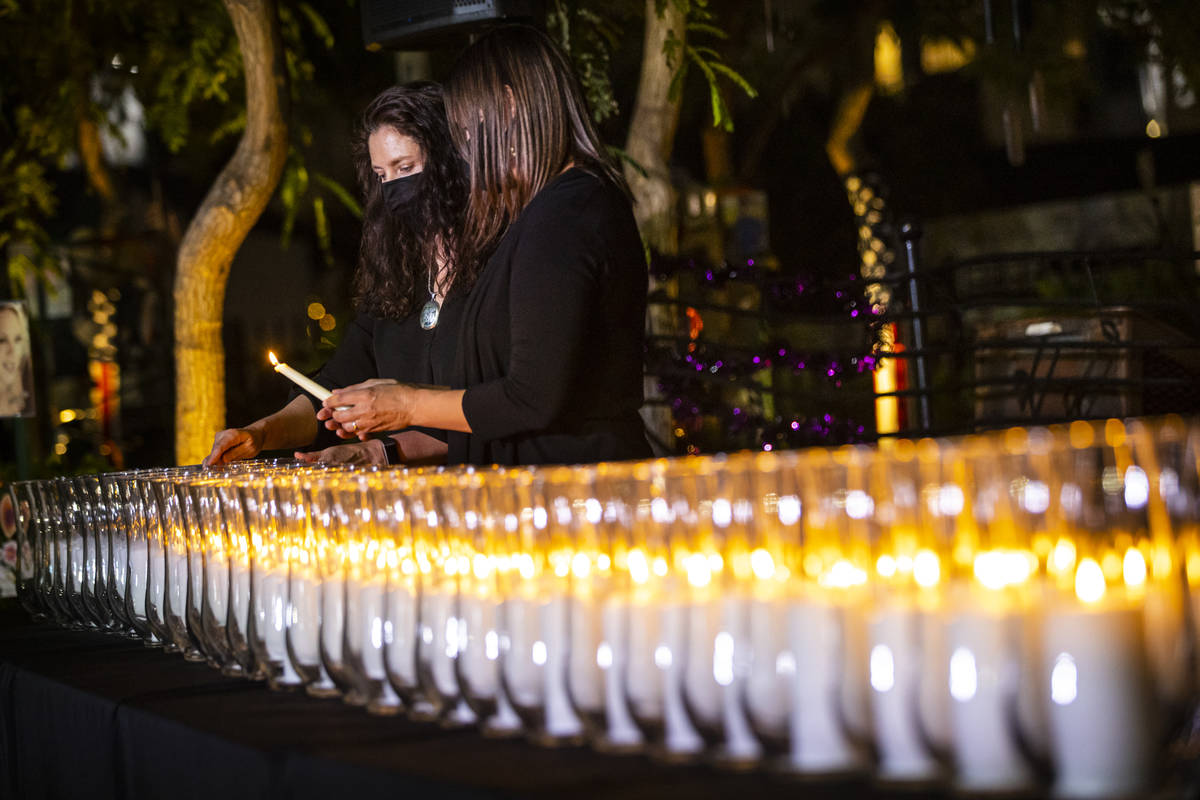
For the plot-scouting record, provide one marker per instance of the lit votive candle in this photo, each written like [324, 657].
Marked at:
[1101, 713]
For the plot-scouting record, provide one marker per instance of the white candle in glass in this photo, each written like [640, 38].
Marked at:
[177, 578]
[439, 639]
[333, 619]
[120, 565]
[303, 627]
[270, 616]
[364, 624]
[523, 653]
[984, 651]
[612, 656]
[772, 668]
[478, 657]
[239, 596]
[680, 737]
[137, 584]
[401, 655]
[894, 665]
[561, 721]
[156, 595]
[1102, 710]
[216, 586]
[829, 670]
[78, 565]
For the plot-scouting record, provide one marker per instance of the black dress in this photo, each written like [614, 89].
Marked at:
[401, 350]
[553, 334]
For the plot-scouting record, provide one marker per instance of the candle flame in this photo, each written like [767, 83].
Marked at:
[274, 360]
[1089, 581]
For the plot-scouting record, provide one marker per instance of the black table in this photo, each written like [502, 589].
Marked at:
[84, 714]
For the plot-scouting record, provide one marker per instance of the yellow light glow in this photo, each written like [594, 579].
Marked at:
[1153, 129]
[480, 566]
[1089, 581]
[927, 570]
[1192, 566]
[843, 575]
[526, 566]
[885, 565]
[581, 565]
[1062, 560]
[1134, 568]
[327, 323]
[889, 68]
[660, 566]
[603, 562]
[762, 565]
[67, 415]
[271, 356]
[904, 563]
[812, 565]
[1112, 565]
[698, 573]
[639, 569]
[315, 311]
[945, 55]
[997, 569]
[715, 562]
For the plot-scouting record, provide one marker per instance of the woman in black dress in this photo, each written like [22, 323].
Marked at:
[414, 193]
[549, 368]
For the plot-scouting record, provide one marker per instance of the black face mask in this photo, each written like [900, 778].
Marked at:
[399, 193]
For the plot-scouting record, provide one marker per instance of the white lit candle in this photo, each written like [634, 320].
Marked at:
[561, 721]
[829, 651]
[401, 654]
[894, 664]
[304, 626]
[984, 650]
[136, 583]
[303, 381]
[1102, 712]
[612, 656]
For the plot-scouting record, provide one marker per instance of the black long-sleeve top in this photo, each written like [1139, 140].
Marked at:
[553, 333]
[401, 350]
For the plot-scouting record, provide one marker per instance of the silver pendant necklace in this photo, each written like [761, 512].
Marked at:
[431, 310]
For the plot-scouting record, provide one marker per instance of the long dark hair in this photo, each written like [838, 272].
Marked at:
[396, 254]
[512, 151]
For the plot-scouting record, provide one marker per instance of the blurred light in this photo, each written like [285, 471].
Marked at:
[927, 569]
[762, 564]
[1063, 557]
[539, 653]
[843, 575]
[698, 573]
[327, 323]
[662, 657]
[316, 311]
[67, 415]
[1064, 680]
[964, 679]
[581, 565]
[604, 656]
[1089, 585]
[639, 569]
[723, 659]
[997, 569]
[1137, 488]
[883, 668]
[945, 55]
[1134, 568]
[886, 566]
[859, 504]
[1153, 129]
[789, 510]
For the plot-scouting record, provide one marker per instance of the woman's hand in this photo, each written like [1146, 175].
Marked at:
[234, 444]
[363, 453]
[369, 407]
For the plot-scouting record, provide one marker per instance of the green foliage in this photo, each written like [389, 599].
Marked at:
[682, 54]
[65, 61]
[591, 31]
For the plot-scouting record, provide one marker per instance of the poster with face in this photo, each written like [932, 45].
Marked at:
[16, 363]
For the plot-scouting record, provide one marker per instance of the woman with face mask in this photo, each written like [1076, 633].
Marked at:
[409, 288]
[549, 368]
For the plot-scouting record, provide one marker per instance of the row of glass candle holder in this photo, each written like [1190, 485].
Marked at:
[997, 611]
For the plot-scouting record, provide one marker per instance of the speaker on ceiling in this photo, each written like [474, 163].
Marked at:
[420, 24]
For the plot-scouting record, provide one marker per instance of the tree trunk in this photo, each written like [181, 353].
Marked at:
[221, 224]
[652, 132]
[651, 137]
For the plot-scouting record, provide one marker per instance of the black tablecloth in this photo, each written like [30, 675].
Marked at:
[89, 715]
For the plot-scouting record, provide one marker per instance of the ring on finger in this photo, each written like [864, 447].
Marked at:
[353, 425]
